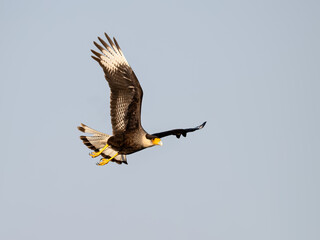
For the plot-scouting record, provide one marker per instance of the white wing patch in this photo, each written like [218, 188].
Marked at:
[117, 72]
[113, 56]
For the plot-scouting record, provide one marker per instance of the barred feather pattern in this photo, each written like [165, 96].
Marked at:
[98, 141]
[122, 82]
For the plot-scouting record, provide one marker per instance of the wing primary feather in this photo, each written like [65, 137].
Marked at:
[98, 46]
[105, 45]
[95, 58]
[179, 132]
[111, 43]
[202, 125]
[115, 41]
[104, 51]
[96, 53]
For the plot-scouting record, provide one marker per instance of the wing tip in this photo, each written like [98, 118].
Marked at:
[202, 125]
[96, 59]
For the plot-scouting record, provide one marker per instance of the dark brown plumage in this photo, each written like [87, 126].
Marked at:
[125, 109]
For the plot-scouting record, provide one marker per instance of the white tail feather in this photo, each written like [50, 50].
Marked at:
[98, 141]
[87, 129]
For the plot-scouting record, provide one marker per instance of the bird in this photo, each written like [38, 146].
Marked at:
[128, 135]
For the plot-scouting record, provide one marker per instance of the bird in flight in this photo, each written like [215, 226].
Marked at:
[125, 110]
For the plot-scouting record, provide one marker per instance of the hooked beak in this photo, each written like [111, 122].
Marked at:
[157, 141]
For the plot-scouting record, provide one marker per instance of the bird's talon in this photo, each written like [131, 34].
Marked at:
[103, 161]
[93, 154]
[125, 113]
[96, 154]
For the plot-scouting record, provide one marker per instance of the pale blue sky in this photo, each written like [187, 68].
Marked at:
[249, 68]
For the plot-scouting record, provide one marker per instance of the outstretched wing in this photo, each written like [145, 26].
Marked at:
[126, 92]
[178, 132]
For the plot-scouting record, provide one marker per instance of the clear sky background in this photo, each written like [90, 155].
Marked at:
[249, 68]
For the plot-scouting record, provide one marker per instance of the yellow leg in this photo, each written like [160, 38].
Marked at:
[96, 154]
[105, 161]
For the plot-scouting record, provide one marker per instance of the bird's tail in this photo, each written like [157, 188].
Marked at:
[98, 141]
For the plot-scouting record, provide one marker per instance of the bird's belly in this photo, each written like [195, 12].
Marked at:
[129, 149]
[125, 144]
[126, 148]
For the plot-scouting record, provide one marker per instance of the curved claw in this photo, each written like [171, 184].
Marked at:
[94, 154]
[104, 161]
